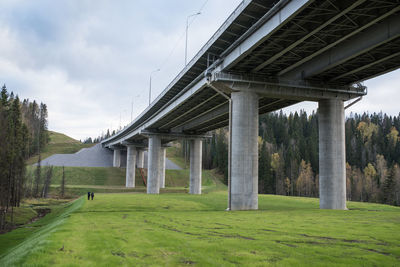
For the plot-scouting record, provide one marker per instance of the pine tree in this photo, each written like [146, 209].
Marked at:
[389, 187]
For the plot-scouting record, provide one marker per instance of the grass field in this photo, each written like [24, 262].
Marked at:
[59, 144]
[180, 229]
[177, 229]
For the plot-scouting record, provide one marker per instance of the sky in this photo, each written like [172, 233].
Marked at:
[90, 61]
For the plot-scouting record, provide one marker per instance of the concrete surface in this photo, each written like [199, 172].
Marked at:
[96, 156]
[195, 166]
[332, 155]
[244, 175]
[130, 166]
[154, 170]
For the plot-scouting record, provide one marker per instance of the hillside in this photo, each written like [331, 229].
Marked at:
[59, 144]
[182, 229]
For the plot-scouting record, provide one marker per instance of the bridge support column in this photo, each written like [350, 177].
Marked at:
[244, 166]
[162, 167]
[130, 166]
[332, 155]
[140, 158]
[153, 165]
[195, 166]
[117, 158]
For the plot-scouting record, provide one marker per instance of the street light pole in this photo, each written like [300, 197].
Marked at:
[187, 28]
[132, 106]
[154, 71]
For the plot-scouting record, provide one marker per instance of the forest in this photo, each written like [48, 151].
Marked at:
[288, 155]
[23, 133]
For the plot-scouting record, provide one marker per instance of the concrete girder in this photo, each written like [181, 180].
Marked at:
[190, 110]
[275, 21]
[366, 66]
[295, 69]
[175, 136]
[133, 143]
[204, 117]
[198, 86]
[299, 41]
[292, 91]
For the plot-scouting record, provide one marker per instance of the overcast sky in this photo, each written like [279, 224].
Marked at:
[89, 59]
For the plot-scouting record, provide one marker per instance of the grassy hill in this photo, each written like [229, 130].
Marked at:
[80, 180]
[180, 229]
[59, 144]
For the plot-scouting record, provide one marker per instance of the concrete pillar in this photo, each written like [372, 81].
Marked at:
[332, 155]
[140, 158]
[162, 167]
[195, 166]
[117, 158]
[130, 166]
[244, 167]
[153, 162]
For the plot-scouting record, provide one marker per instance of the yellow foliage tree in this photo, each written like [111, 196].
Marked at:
[367, 129]
[305, 181]
[370, 185]
[393, 136]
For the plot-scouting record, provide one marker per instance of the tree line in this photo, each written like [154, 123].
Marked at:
[23, 132]
[288, 155]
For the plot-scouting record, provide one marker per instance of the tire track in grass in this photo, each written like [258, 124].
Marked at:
[38, 238]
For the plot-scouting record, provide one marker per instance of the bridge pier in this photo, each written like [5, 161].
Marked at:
[195, 166]
[140, 158]
[332, 155]
[244, 166]
[130, 166]
[162, 167]
[117, 158]
[153, 165]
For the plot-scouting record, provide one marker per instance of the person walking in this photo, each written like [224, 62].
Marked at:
[92, 195]
[88, 195]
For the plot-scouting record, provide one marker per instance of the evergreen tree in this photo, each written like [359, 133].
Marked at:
[389, 187]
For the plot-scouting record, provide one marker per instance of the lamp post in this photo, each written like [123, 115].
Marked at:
[187, 27]
[154, 71]
[132, 106]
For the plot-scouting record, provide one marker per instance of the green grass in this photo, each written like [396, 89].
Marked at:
[59, 144]
[180, 229]
[22, 241]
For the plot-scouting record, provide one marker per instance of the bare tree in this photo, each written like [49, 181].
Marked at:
[46, 185]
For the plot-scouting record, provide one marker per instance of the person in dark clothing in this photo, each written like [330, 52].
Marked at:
[92, 195]
[88, 195]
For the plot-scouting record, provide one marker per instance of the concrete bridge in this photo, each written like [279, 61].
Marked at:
[264, 57]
